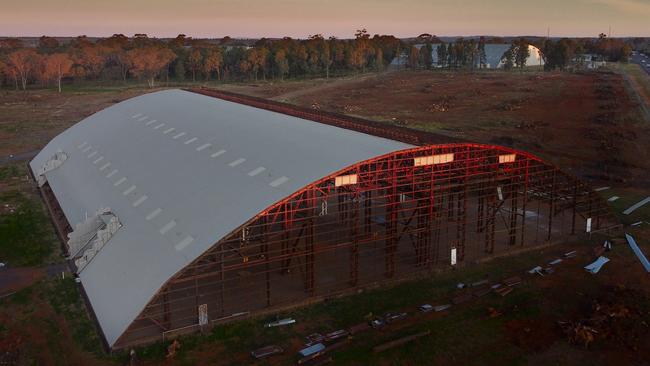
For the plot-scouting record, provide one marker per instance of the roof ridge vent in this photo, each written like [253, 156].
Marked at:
[54, 162]
[91, 235]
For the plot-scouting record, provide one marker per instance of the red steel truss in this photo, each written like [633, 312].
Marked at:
[391, 217]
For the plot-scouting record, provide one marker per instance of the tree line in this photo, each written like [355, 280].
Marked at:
[182, 58]
[561, 54]
[147, 59]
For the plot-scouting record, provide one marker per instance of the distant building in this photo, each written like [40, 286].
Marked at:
[588, 61]
[493, 52]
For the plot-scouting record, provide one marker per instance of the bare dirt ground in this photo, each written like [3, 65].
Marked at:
[29, 120]
[586, 123]
[14, 279]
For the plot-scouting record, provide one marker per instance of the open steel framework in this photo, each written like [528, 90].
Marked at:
[382, 219]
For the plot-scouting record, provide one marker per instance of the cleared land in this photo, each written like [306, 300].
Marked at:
[586, 123]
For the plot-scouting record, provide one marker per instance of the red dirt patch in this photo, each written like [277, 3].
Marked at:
[14, 279]
[583, 122]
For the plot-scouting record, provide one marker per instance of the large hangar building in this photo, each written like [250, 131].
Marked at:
[181, 210]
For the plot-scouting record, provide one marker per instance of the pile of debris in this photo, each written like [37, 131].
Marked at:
[619, 318]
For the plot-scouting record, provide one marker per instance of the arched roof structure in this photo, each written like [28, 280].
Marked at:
[156, 184]
[181, 170]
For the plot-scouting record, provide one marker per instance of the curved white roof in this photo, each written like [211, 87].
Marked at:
[181, 171]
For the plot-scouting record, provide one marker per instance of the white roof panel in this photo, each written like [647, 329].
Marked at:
[176, 198]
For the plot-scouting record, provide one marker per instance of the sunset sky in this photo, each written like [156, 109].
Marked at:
[300, 18]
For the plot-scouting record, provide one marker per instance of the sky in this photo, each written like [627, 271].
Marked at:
[339, 18]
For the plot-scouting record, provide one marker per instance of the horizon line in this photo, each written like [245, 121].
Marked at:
[326, 37]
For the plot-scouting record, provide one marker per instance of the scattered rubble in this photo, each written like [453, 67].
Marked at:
[503, 291]
[512, 281]
[377, 323]
[314, 338]
[579, 333]
[440, 308]
[280, 322]
[618, 317]
[332, 336]
[570, 254]
[583, 332]
[607, 245]
[267, 351]
[393, 317]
